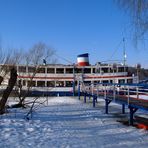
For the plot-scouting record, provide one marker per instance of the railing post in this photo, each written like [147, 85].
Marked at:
[105, 93]
[131, 116]
[123, 108]
[128, 92]
[92, 89]
[107, 102]
[73, 88]
[94, 101]
[106, 106]
[89, 92]
[97, 90]
[84, 97]
[132, 111]
[114, 93]
[137, 91]
[79, 93]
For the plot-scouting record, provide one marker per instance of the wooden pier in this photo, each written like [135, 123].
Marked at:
[124, 94]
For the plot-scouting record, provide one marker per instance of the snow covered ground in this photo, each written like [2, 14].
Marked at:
[68, 123]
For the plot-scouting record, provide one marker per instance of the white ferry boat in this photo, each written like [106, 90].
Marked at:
[59, 77]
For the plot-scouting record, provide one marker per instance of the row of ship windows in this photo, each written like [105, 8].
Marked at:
[45, 83]
[70, 70]
[62, 83]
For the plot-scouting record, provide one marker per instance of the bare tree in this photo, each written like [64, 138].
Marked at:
[8, 68]
[34, 57]
[7, 91]
[138, 10]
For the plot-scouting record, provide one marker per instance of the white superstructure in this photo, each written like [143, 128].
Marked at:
[64, 75]
[58, 76]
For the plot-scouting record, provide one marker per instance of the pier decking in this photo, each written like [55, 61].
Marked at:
[124, 94]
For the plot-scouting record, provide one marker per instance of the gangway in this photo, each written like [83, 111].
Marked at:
[124, 94]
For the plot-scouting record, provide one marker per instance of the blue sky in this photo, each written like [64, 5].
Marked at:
[71, 27]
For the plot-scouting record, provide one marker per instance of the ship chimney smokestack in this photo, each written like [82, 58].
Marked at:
[83, 59]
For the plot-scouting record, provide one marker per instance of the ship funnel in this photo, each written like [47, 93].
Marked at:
[83, 60]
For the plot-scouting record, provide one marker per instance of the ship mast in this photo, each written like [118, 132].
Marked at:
[124, 57]
[124, 52]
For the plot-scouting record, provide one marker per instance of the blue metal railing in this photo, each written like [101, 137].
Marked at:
[120, 93]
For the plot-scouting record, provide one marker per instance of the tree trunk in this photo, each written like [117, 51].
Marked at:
[7, 91]
[1, 79]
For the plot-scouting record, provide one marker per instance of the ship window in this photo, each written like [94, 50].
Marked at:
[120, 69]
[94, 70]
[97, 70]
[41, 83]
[41, 70]
[69, 70]
[129, 81]
[76, 83]
[87, 82]
[110, 70]
[24, 82]
[113, 70]
[22, 69]
[105, 70]
[105, 81]
[50, 84]
[96, 82]
[121, 81]
[60, 70]
[10, 67]
[7, 67]
[69, 83]
[60, 84]
[126, 69]
[78, 70]
[50, 70]
[19, 82]
[87, 70]
[31, 83]
[31, 69]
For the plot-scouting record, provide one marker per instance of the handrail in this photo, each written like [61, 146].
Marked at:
[119, 93]
[122, 89]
